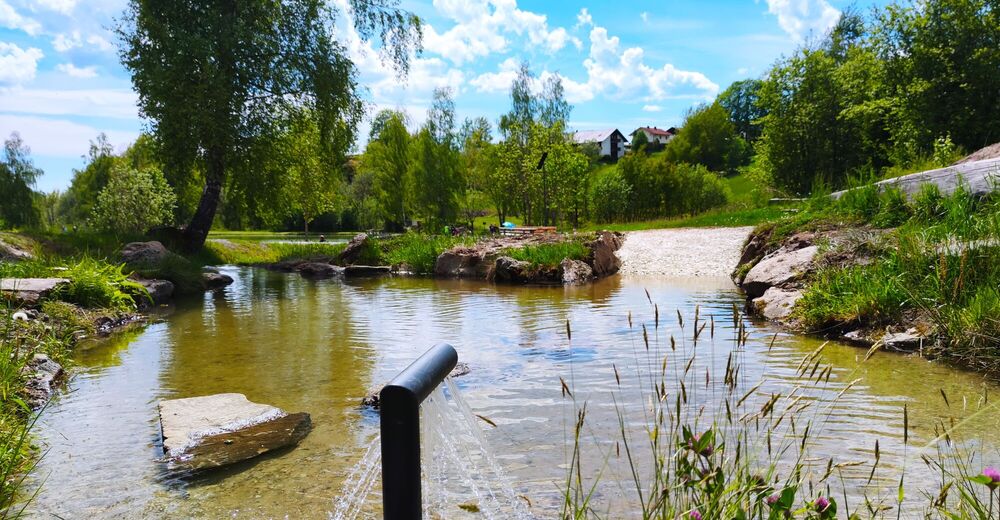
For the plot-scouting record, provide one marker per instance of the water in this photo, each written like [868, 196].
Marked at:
[320, 346]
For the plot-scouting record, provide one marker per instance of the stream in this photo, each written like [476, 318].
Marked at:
[320, 346]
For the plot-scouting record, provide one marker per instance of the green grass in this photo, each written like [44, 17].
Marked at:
[717, 218]
[417, 251]
[549, 255]
[93, 284]
[255, 252]
[258, 236]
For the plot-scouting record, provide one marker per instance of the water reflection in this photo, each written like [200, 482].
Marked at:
[319, 346]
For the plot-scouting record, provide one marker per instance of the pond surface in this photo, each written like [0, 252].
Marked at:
[320, 346]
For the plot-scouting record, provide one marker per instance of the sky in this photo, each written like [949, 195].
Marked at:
[623, 64]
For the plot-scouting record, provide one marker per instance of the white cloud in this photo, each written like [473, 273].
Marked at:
[584, 19]
[77, 72]
[652, 108]
[800, 18]
[100, 43]
[17, 65]
[59, 6]
[614, 73]
[482, 26]
[105, 103]
[58, 138]
[11, 19]
[64, 42]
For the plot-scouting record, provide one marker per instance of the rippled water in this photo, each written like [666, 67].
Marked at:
[320, 346]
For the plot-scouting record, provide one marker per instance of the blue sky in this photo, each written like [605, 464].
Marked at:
[624, 64]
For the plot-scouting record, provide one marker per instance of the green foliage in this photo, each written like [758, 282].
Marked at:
[416, 250]
[659, 188]
[251, 252]
[434, 164]
[95, 284]
[610, 195]
[709, 138]
[549, 255]
[215, 80]
[17, 178]
[639, 142]
[740, 101]
[133, 201]
[387, 160]
[78, 203]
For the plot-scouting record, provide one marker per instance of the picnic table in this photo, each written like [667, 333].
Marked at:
[527, 230]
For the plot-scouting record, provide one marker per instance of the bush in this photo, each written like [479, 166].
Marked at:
[610, 196]
[134, 201]
[95, 284]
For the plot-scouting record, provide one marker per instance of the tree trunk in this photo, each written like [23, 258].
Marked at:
[197, 230]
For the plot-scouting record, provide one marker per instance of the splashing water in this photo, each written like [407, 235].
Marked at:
[460, 474]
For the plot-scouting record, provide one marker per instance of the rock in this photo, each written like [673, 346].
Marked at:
[777, 303]
[575, 272]
[215, 430]
[319, 270]
[366, 271]
[461, 262]
[12, 253]
[602, 258]
[43, 376]
[29, 291]
[778, 268]
[105, 325]
[144, 253]
[907, 341]
[858, 337]
[978, 177]
[160, 291]
[355, 248]
[212, 281]
[752, 250]
[506, 269]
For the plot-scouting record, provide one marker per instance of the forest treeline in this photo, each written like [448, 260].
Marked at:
[896, 89]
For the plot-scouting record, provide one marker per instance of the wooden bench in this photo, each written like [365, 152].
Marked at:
[527, 230]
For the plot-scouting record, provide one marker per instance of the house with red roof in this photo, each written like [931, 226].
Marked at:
[656, 135]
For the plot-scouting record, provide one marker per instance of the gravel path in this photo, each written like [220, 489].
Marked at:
[682, 252]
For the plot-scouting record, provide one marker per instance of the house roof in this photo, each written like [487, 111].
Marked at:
[593, 136]
[652, 130]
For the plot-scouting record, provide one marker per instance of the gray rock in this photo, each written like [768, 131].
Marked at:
[602, 258]
[979, 177]
[144, 253]
[778, 268]
[907, 341]
[160, 291]
[366, 271]
[12, 253]
[212, 281]
[352, 253]
[461, 262]
[777, 303]
[319, 270]
[858, 337]
[575, 272]
[29, 291]
[215, 430]
[507, 269]
[43, 376]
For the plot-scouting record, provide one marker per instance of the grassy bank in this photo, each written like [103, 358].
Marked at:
[930, 261]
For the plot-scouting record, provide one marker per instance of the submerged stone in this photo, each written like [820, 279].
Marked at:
[212, 281]
[216, 430]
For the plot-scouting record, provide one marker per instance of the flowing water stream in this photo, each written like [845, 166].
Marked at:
[320, 346]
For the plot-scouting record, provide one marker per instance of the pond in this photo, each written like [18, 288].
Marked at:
[320, 346]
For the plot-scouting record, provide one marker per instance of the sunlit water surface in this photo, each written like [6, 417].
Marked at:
[320, 346]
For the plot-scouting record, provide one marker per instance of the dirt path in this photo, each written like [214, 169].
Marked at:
[682, 252]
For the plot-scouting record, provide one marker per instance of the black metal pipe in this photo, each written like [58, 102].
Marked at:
[399, 413]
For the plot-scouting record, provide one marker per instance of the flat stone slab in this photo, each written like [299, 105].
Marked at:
[217, 430]
[979, 177]
[30, 290]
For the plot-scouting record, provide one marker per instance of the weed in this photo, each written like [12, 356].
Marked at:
[549, 255]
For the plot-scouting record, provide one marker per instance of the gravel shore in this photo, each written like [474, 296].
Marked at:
[682, 252]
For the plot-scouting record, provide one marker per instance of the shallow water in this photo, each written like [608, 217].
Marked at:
[320, 346]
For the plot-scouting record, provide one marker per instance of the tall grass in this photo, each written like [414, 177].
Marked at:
[697, 443]
[549, 255]
[415, 250]
[92, 283]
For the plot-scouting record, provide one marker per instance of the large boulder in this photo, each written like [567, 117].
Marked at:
[461, 262]
[575, 272]
[907, 341]
[319, 270]
[779, 268]
[355, 248]
[507, 269]
[43, 375]
[144, 253]
[211, 281]
[602, 258]
[777, 303]
[29, 291]
[12, 253]
[753, 250]
[215, 430]
[160, 291]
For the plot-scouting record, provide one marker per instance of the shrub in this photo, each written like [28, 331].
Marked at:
[95, 284]
[134, 201]
[610, 195]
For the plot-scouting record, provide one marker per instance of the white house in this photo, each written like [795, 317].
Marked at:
[610, 142]
[656, 135]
